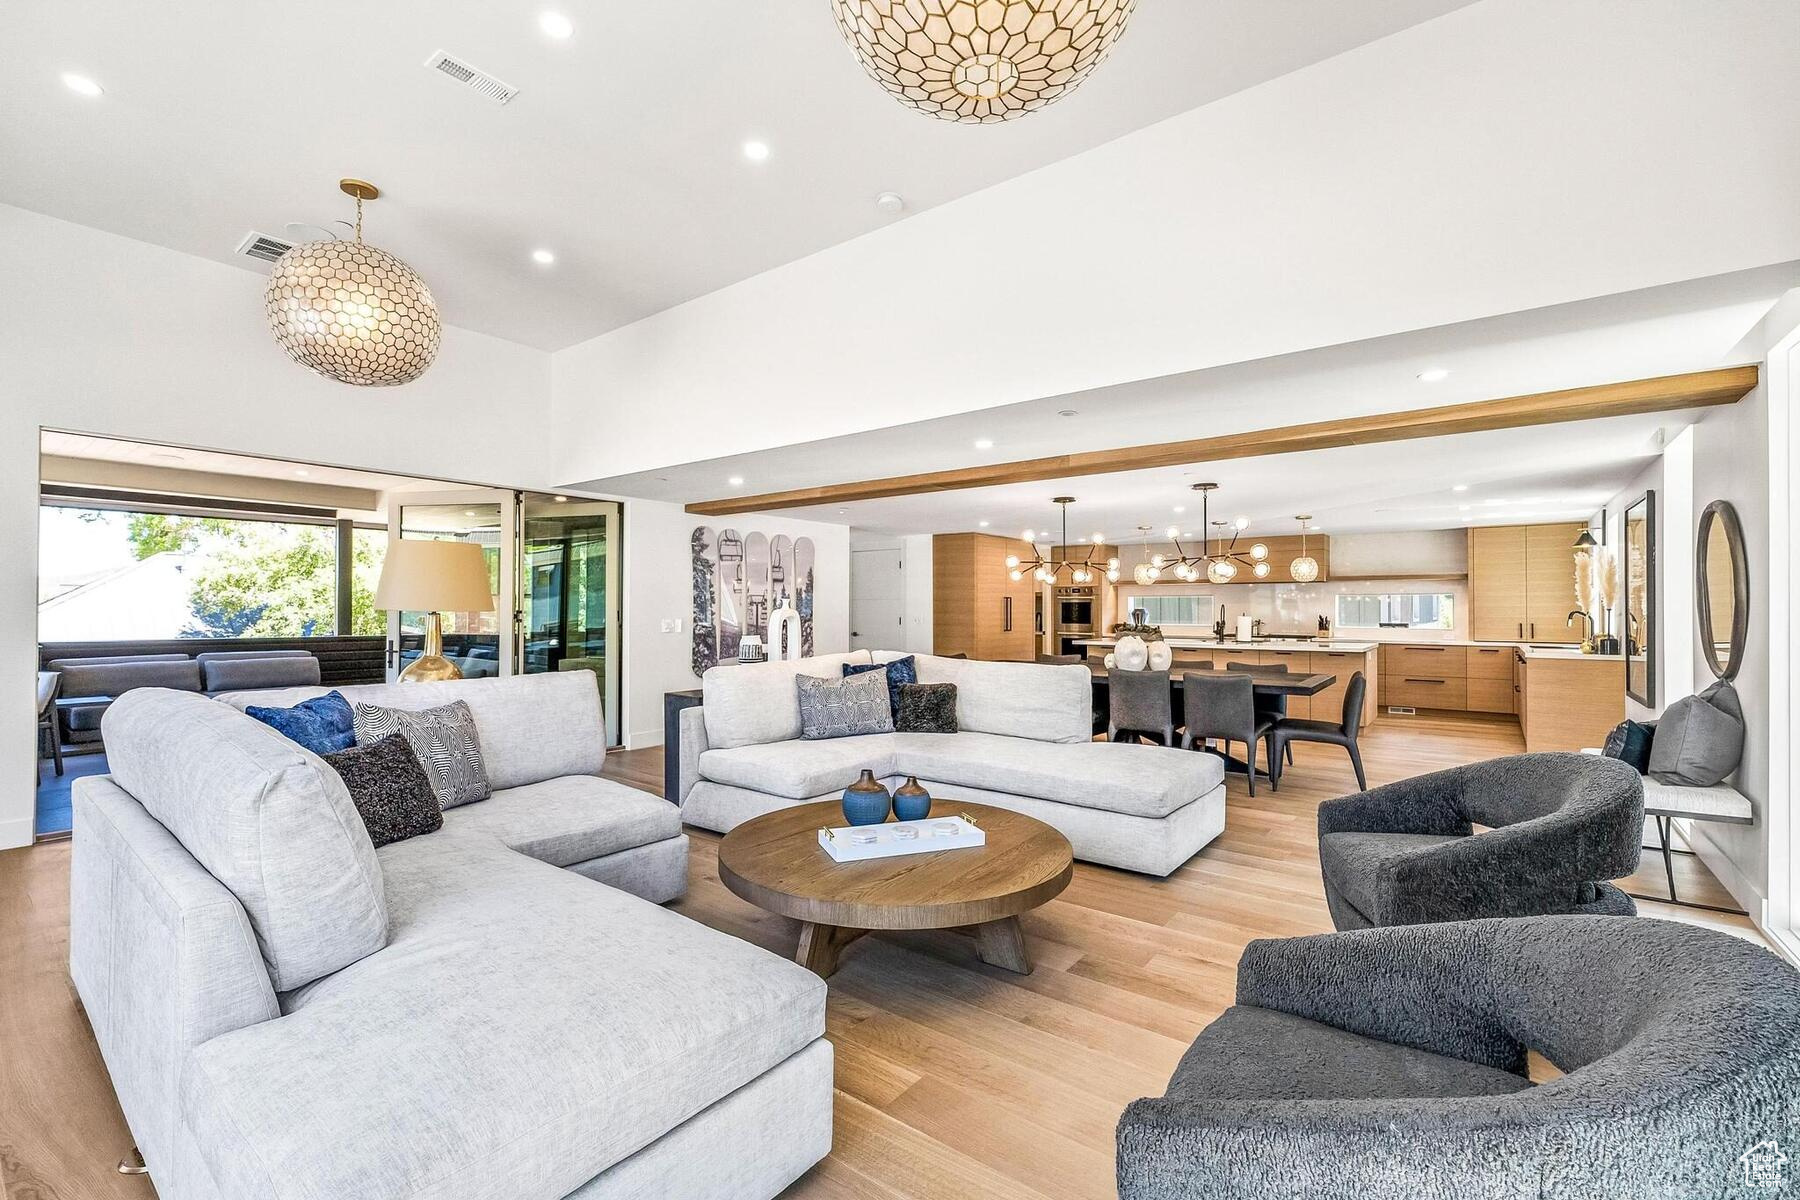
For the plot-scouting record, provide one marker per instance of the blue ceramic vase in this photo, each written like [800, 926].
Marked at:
[911, 802]
[866, 801]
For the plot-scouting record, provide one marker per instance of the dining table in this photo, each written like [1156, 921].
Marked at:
[1264, 682]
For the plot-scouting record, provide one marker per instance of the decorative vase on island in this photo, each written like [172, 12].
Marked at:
[911, 802]
[866, 802]
[1130, 653]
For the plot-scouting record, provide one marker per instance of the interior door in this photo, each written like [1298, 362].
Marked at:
[479, 643]
[570, 594]
[877, 600]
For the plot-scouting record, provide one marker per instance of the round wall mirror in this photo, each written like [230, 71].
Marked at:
[1722, 588]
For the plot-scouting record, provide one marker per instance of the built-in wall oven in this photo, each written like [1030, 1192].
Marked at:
[1076, 617]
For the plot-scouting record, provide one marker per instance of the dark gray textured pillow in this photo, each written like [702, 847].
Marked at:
[927, 708]
[390, 789]
[445, 741]
[1699, 739]
[847, 707]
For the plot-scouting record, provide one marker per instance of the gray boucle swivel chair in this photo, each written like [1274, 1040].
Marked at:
[1389, 1064]
[1559, 825]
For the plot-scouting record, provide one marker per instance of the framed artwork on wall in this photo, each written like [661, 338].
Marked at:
[739, 579]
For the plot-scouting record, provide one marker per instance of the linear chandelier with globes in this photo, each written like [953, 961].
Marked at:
[1047, 569]
[980, 61]
[1220, 566]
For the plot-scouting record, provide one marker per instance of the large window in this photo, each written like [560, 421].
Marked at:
[1396, 610]
[1169, 610]
[107, 575]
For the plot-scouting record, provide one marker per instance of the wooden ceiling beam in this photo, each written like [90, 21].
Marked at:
[1700, 389]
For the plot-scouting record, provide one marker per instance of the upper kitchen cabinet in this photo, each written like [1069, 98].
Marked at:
[1522, 582]
[976, 609]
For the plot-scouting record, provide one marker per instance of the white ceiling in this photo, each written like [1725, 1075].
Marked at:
[621, 153]
[1551, 472]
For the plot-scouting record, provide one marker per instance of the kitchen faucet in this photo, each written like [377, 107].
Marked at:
[1576, 612]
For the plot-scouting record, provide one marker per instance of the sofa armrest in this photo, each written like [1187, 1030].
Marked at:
[162, 955]
[692, 745]
[1419, 986]
[1422, 804]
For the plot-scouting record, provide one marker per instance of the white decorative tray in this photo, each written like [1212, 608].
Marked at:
[891, 839]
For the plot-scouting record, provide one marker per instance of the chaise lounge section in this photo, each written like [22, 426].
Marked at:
[1024, 743]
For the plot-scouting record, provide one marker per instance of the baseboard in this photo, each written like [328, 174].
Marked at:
[16, 833]
[1698, 840]
[638, 739]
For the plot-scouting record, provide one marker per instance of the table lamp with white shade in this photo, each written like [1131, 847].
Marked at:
[433, 578]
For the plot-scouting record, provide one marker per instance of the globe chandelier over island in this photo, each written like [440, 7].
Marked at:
[351, 311]
[1221, 566]
[980, 61]
[1047, 569]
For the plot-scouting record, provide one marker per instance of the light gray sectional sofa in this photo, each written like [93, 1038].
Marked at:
[1024, 743]
[287, 1012]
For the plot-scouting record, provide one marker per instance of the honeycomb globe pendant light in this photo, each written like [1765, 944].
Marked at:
[351, 311]
[980, 61]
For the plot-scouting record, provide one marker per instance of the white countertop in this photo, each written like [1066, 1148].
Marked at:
[1272, 643]
[1568, 652]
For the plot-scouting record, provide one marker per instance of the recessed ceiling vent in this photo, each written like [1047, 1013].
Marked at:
[261, 245]
[472, 76]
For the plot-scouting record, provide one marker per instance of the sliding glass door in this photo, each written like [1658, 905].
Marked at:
[569, 592]
[480, 643]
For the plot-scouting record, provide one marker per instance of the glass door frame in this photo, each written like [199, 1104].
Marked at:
[507, 614]
[612, 683]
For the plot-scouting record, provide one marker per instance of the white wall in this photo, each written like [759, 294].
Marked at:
[1671, 476]
[102, 334]
[1252, 227]
[659, 587]
[916, 567]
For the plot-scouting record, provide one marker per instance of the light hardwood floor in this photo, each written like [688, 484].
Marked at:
[954, 1079]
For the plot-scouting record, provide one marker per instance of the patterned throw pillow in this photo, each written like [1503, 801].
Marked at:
[445, 741]
[927, 708]
[835, 708]
[390, 789]
[323, 724]
[899, 673]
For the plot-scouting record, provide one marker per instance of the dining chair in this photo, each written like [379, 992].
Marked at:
[1272, 707]
[1138, 704]
[1224, 707]
[1331, 733]
[48, 684]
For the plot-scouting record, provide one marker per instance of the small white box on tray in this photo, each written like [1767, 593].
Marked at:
[856, 843]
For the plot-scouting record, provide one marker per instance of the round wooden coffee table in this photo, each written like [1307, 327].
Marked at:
[775, 862]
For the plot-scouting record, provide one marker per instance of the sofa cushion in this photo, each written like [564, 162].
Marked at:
[800, 770]
[1041, 701]
[525, 1029]
[1143, 781]
[532, 727]
[325, 724]
[445, 740]
[1252, 1054]
[267, 817]
[570, 820]
[899, 671]
[749, 703]
[851, 706]
[926, 708]
[1700, 739]
[237, 674]
[390, 789]
[1353, 862]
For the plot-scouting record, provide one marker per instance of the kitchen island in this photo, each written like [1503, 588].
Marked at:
[1568, 700]
[1306, 656]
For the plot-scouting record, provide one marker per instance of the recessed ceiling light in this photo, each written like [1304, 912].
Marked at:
[891, 202]
[982, 524]
[468, 512]
[81, 85]
[756, 151]
[736, 481]
[1462, 508]
[1181, 508]
[542, 258]
[302, 472]
[1461, 487]
[555, 25]
[561, 499]
[1433, 375]
[1066, 412]
[984, 443]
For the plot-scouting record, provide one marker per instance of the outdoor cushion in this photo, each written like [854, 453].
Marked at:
[1699, 739]
[1252, 1054]
[747, 704]
[115, 679]
[524, 1030]
[237, 674]
[1040, 701]
[1143, 781]
[569, 820]
[800, 770]
[1352, 862]
[267, 817]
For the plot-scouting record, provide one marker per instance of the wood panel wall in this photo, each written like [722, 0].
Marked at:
[970, 591]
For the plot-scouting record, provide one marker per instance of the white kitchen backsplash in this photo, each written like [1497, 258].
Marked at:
[1295, 608]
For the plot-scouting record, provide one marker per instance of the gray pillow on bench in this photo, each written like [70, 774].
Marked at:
[1699, 739]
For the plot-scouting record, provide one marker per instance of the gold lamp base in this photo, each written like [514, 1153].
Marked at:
[431, 665]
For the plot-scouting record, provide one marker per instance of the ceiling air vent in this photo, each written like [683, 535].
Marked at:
[261, 245]
[472, 76]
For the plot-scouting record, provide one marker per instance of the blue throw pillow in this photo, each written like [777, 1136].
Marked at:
[900, 672]
[325, 724]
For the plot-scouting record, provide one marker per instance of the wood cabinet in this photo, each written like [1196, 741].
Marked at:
[1491, 685]
[1451, 678]
[1570, 703]
[1522, 582]
[976, 609]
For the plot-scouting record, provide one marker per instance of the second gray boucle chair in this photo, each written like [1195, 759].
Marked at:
[1390, 1064]
[1559, 826]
